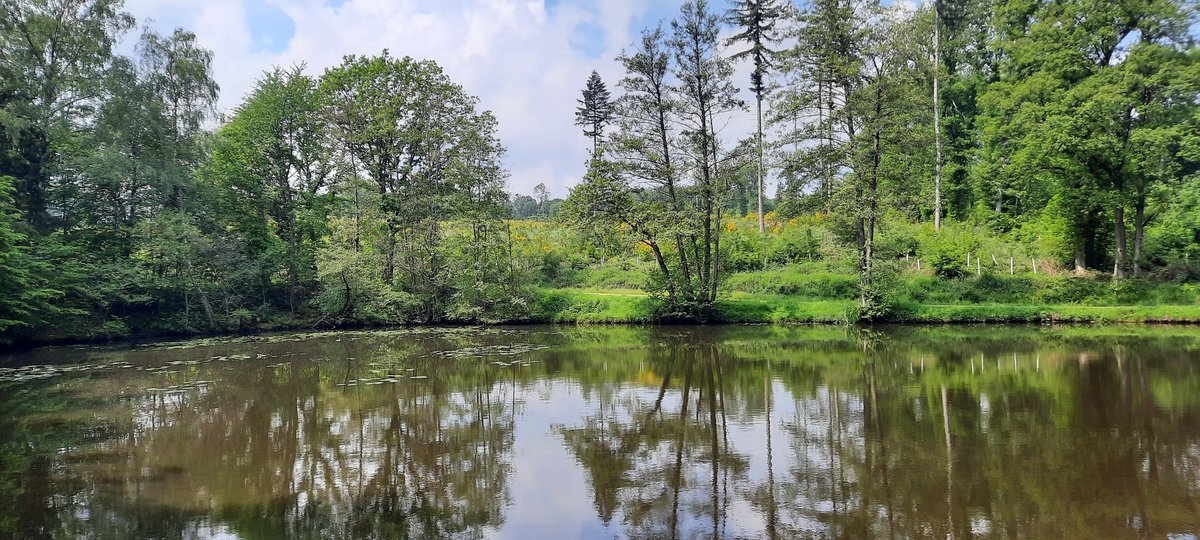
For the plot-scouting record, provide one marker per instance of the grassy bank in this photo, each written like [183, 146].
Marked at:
[620, 306]
[786, 297]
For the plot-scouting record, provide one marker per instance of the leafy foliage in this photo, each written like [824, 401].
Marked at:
[373, 193]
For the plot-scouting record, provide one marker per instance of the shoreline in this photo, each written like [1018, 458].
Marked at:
[627, 307]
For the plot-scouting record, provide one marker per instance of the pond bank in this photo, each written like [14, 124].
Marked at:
[629, 306]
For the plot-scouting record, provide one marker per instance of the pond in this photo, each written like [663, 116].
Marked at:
[603, 432]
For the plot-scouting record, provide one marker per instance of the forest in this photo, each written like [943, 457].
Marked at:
[961, 160]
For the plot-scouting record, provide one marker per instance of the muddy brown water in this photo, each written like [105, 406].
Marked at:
[611, 432]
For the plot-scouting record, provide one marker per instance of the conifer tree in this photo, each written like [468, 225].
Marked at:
[756, 21]
[595, 110]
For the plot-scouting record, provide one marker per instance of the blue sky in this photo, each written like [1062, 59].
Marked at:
[270, 28]
[527, 60]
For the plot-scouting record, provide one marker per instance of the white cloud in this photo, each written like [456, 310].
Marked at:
[511, 53]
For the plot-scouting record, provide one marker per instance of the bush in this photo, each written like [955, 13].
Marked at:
[795, 283]
[946, 253]
[741, 248]
[792, 245]
[1072, 290]
[617, 275]
[986, 288]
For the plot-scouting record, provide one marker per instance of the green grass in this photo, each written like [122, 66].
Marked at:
[625, 306]
[741, 307]
[1017, 313]
[592, 306]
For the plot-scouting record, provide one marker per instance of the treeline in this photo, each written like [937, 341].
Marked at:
[1064, 133]
[372, 193]
[1072, 126]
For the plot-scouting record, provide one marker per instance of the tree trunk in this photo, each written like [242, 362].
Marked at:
[1119, 239]
[867, 225]
[717, 210]
[389, 254]
[824, 189]
[706, 192]
[864, 279]
[1080, 256]
[293, 271]
[208, 310]
[432, 236]
[1139, 231]
[937, 121]
[762, 222]
[716, 276]
[668, 174]
[662, 266]
[829, 139]
[348, 301]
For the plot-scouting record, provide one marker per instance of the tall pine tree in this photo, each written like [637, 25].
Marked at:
[595, 110]
[756, 20]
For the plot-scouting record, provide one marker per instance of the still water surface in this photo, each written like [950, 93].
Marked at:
[544, 432]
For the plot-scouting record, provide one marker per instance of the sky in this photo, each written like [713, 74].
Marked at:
[527, 60]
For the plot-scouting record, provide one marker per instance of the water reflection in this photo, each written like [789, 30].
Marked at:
[610, 432]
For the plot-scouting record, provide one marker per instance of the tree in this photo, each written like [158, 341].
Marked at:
[419, 139]
[595, 110]
[647, 144]
[24, 293]
[756, 20]
[1165, 138]
[639, 187]
[643, 188]
[179, 73]
[1077, 106]
[937, 116]
[866, 59]
[523, 206]
[172, 241]
[274, 160]
[705, 93]
[543, 196]
[53, 54]
[966, 65]
[129, 156]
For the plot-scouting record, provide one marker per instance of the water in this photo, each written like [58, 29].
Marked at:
[543, 432]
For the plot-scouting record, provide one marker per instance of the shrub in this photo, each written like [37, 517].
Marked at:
[795, 283]
[792, 245]
[614, 276]
[1071, 290]
[946, 253]
[741, 248]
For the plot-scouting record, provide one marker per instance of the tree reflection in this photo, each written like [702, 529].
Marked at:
[284, 452]
[665, 473]
[683, 433]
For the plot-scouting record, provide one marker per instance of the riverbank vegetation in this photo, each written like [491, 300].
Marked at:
[983, 160]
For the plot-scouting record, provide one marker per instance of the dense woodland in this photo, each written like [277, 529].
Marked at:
[1013, 141]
